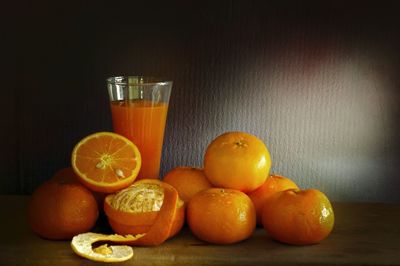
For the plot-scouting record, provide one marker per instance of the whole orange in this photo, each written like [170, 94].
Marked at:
[237, 160]
[62, 207]
[298, 217]
[187, 181]
[221, 216]
[273, 184]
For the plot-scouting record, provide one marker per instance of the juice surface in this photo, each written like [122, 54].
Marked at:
[143, 122]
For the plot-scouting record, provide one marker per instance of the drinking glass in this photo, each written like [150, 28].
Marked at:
[139, 107]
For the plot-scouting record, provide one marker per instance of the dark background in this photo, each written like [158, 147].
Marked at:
[318, 82]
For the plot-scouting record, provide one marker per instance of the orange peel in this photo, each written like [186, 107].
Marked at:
[82, 244]
[134, 210]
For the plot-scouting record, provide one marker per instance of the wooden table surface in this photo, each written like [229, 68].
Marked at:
[364, 234]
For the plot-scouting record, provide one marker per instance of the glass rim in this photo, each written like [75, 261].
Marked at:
[138, 80]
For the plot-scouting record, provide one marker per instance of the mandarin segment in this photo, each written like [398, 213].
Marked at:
[122, 151]
[139, 198]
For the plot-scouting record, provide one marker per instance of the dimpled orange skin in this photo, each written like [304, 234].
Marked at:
[62, 207]
[187, 181]
[237, 160]
[221, 216]
[273, 184]
[298, 217]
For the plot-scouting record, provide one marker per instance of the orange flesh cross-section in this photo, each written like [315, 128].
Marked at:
[106, 159]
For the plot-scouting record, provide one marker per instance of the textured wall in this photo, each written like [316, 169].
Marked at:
[319, 84]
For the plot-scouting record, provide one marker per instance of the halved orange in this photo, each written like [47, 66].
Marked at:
[106, 162]
[135, 209]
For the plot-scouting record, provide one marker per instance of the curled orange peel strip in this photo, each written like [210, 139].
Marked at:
[82, 246]
[160, 230]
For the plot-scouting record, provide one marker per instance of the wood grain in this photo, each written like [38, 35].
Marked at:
[364, 234]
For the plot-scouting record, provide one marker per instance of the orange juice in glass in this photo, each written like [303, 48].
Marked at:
[139, 107]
